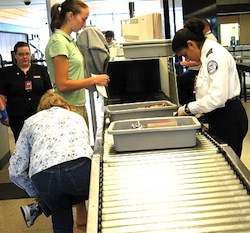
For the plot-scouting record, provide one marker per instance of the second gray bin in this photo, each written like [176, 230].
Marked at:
[183, 134]
[136, 110]
[148, 48]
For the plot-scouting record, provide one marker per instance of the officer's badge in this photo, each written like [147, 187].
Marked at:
[212, 66]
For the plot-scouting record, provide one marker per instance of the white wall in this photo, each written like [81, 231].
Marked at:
[227, 31]
[108, 15]
[105, 14]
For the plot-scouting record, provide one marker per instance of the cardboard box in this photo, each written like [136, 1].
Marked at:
[145, 27]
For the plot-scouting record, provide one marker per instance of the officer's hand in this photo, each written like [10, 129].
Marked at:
[176, 64]
[180, 111]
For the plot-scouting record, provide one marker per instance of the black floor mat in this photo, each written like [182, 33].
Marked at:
[11, 191]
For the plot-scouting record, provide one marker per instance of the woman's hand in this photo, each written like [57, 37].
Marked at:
[6, 122]
[102, 79]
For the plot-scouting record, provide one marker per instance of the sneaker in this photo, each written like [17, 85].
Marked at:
[30, 213]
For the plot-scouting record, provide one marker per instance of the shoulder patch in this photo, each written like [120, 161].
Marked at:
[212, 66]
[209, 52]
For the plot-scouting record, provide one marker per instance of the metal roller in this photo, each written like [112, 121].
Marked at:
[200, 189]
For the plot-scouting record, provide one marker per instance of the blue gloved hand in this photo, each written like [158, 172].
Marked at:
[4, 115]
[176, 64]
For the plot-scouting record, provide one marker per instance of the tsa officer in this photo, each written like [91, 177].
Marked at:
[217, 85]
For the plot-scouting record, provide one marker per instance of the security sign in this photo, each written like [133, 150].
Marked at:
[212, 66]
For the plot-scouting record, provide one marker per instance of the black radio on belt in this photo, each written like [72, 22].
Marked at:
[186, 110]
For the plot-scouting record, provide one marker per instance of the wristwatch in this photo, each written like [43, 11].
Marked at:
[186, 110]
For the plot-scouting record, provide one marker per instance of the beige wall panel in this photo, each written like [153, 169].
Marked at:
[244, 29]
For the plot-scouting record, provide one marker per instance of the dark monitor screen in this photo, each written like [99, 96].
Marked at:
[134, 80]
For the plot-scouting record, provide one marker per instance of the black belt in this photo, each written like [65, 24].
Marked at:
[234, 98]
[218, 110]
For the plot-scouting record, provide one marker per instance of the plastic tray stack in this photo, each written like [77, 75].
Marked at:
[148, 48]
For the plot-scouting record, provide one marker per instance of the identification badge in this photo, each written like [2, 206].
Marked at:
[28, 85]
[36, 76]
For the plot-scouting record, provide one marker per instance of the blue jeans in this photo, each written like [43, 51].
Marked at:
[60, 187]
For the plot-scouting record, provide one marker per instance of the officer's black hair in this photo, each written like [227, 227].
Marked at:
[193, 30]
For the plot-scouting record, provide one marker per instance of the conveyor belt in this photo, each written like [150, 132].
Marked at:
[200, 189]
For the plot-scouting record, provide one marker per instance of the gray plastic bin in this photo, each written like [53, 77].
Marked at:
[136, 110]
[183, 134]
[148, 48]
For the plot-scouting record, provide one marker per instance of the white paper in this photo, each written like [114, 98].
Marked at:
[101, 89]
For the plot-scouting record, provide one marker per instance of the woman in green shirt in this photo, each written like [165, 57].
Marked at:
[64, 60]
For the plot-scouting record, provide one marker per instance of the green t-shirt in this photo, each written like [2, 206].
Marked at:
[60, 43]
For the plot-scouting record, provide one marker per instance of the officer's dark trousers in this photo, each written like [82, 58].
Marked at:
[230, 124]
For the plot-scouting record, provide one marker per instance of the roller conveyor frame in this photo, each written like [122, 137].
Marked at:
[96, 209]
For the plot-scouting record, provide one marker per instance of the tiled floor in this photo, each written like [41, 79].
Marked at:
[11, 220]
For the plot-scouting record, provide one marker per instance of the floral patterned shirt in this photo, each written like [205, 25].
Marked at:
[48, 138]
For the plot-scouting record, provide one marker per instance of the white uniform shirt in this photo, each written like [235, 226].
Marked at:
[48, 138]
[217, 80]
[211, 36]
